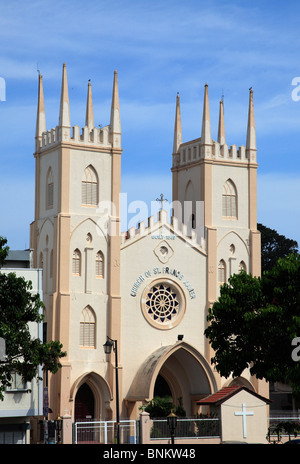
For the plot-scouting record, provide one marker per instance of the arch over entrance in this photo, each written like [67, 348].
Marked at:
[185, 370]
[92, 396]
[84, 403]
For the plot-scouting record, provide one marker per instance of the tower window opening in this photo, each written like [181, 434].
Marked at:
[242, 266]
[50, 190]
[100, 265]
[221, 272]
[89, 187]
[76, 263]
[229, 200]
[87, 328]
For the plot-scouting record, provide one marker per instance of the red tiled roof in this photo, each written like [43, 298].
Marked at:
[220, 395]
[227, 392]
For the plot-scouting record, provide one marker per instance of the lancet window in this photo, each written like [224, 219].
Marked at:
[89, 187]
[221, 272]
[87, 328]
[76, 263]
[229, 200]
[99, 265]
[50, 190]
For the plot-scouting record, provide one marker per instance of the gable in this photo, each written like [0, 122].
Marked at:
[163, 230]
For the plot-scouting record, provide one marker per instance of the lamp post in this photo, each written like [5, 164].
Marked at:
[58, 426]
[172, 423]
[108, 346]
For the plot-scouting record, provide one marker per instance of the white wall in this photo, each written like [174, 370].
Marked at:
[30, 402]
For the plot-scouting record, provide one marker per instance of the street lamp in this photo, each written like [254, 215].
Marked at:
[58, 425]
[108, 346]
[172, 423]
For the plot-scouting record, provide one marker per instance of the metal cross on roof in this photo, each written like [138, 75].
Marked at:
[161, 200]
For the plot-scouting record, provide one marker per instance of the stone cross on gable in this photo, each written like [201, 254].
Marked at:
[244, 413]
[161, 200]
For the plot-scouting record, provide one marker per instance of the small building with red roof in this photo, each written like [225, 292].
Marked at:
[242, 412]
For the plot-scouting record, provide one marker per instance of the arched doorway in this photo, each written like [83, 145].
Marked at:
[161, 387]
[187, 373]
[84, 403]
[92, 397]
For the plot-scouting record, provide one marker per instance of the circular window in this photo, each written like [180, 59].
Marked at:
[163, 304]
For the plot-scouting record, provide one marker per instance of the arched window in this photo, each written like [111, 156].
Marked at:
[76, 263]
[89, 187]
[50, 190]
[221, 272]
[229, 200]
[87, 327]
[242, 266]
[189, 217]
[99, 265]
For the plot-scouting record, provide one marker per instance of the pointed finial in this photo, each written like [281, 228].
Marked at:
[64, 112]
[115, 121]
[40, 117]
[221, 130]
[177, 130]
[251, 131]
[89, 118]
[206, 131]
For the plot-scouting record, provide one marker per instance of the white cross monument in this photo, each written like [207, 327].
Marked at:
[244, 413]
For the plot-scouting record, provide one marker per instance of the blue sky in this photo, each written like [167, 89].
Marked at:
[159, 48]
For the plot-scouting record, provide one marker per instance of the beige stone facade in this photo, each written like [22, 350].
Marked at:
[149, 288]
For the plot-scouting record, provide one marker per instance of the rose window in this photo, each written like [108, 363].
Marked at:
[162, 304]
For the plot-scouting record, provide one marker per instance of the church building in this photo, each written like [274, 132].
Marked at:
[146, 290]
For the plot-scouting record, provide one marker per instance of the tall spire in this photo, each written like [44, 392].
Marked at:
[251, 133]
[115, 121]
[206, 131]
[177, 129]
[221, 130]
[40, 117]
[89, 118]
[64, 112]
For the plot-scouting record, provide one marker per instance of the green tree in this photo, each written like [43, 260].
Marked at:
[274, 246]
[3, 250]
[254, 322]
[163, 406]
[18, 308]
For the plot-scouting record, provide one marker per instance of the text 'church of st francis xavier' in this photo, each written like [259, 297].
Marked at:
[149, 288]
